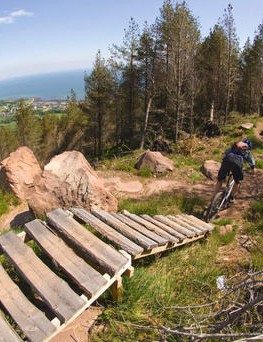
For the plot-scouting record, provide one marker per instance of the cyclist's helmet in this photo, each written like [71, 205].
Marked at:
[249, 143]
[240, 148]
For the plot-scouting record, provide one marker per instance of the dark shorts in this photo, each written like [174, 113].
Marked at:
[228, 166]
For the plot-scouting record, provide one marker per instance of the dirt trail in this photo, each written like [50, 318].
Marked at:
[136, 187]
[130, 186]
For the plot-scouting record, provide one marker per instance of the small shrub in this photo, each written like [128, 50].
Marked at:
[190, 146]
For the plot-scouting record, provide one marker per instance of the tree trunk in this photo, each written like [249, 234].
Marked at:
[146, 122]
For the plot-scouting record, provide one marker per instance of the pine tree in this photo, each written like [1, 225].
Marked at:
[99, 88]
[232, 57]
[147, 59]
[212, 71]
[28, 127]
[180, 37]
[129, 82]
[72, 127]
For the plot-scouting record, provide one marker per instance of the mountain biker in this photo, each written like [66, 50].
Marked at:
[233, 160]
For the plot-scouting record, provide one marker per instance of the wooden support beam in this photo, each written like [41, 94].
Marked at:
[117, 289]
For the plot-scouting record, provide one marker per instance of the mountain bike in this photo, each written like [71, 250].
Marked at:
[221, 200]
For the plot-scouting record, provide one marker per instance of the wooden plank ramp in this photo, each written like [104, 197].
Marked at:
[63, 295]
[150, 235]
[88, 262]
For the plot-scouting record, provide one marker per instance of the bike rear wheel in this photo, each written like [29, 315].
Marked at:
[214, 206]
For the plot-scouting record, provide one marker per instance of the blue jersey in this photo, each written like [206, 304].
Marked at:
[240, 158]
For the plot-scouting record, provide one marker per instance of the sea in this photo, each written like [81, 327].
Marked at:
[49, 86]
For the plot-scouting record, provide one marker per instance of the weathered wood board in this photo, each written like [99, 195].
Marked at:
[55, 292]
[140, 228]
[31, 320]
[7, 334]
[166, 231]
[108, 232]
[129, 232]
[152, 226]
[101, 254]
[88, 279]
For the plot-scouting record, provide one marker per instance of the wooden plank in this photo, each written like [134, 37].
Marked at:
[130, 233]
[55, 291]
[140, 228]
[165, 227]
[101, 255]
[196, 222]
[88, 279]
[31, 321]
[7, 334]
[184, 224]
[142, 220]
[107, 231]
[209, 226]
[183, 232]
[185, 218]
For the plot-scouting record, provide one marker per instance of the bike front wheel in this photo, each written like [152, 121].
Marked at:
[214, 206]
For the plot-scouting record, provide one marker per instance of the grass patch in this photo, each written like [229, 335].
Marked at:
[196, 176]
[259, 163]
[182, 161]
[217, 151]
[254, 228]
[164, 204]
[7, 199]
[145, 172]
[185, 276]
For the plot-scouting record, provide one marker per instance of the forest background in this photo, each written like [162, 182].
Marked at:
[163, 80]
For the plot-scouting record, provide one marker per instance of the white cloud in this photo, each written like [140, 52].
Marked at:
[20, 13]
[10, 18]
[6, 20]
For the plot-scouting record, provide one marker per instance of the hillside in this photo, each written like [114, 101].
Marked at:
[178, 290]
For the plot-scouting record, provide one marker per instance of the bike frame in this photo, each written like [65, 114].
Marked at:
[227, 192]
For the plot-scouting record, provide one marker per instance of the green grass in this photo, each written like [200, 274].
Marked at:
[259, 163]
[182, 161]
[145, 172]
[254, 229]
[7, 199]
[180, 277]
[165, 204]
[185, 276]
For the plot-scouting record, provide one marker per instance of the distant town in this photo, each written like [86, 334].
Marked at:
[9, 107]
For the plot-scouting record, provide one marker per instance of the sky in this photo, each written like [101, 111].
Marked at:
[39, 36]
